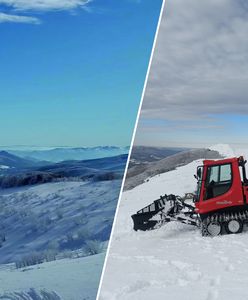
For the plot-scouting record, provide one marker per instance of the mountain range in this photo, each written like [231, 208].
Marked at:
[67, 153]
[8, 161]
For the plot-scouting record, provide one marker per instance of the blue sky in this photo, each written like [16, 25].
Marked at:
[197, 89]
[72, 72]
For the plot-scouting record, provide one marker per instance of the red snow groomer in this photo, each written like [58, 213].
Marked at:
[220, 201]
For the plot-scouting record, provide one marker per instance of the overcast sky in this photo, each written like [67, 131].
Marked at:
[197, 91]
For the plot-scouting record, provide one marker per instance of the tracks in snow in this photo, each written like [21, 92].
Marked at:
[176, 262]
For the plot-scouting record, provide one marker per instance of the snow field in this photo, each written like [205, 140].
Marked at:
[175, 261]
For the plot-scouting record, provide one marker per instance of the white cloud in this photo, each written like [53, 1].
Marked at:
[15, 6]
[41, 5]
[17, 19]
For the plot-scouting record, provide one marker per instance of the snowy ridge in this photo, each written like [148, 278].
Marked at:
[224, 150]
[175, 261]
[231, 151]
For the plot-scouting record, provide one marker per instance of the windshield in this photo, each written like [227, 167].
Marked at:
[199, 175]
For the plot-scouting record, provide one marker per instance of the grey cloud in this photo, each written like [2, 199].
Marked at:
[200, 64]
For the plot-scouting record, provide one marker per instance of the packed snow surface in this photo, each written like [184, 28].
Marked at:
[175, 261]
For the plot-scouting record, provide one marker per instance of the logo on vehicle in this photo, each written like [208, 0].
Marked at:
[224, 202]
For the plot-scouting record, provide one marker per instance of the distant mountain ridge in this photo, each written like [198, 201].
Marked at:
[145, 154]
[101, 169]
[59, 154]
[12, 161]
[137, 175]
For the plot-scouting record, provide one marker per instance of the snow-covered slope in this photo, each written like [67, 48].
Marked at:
[56, 225]
[175, 261]
[71, 279]
[55, 216]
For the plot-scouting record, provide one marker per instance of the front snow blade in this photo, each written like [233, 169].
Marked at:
[149, 216]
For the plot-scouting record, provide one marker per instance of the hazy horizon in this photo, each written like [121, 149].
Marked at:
[60, 146]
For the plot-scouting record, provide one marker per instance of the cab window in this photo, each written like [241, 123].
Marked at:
[219, 180]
